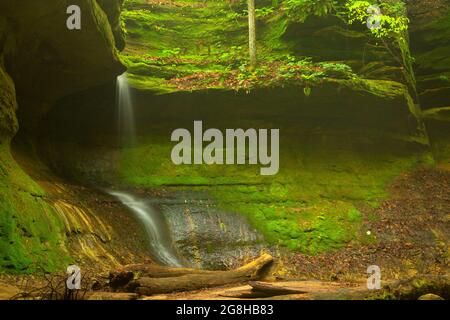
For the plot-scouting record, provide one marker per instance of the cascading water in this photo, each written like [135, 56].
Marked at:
[153, 221]
[126, 124]
[156, 227]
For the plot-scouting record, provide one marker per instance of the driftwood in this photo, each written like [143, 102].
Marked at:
[192, 279]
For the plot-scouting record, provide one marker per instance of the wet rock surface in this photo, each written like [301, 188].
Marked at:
[205, 236]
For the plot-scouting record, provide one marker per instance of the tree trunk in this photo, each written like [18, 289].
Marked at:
[252, 32]
[200, 279]
[274, 290]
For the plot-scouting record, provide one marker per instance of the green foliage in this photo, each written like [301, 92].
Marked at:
[307, 91]
[300, 9]
[232, 55]
[393, 20]
[444, 78]
[339, 70]
[175, 52]
[264, 12]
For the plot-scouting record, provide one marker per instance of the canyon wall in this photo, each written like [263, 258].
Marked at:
[44, 224]
[341, 145]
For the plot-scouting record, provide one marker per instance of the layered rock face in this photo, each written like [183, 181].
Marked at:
[113, 10]
[340, 146]
[430, 44]
[44, 225]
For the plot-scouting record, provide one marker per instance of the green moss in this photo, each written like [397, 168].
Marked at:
[311, 228]
[170, 42]
[430, 56]
[310, 206]
[32, 236]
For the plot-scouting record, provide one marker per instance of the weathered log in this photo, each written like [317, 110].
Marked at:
[156, 271]
[201, 279]
[245, 294]
[274, 290]
[121, 279]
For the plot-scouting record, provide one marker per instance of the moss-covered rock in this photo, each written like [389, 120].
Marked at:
[339, 148]
[430, 44]
[8, 107]
[40, 62]
[31, 233]
[113, 9]
[438, 125]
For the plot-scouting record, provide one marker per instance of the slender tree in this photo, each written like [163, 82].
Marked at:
[252, 32]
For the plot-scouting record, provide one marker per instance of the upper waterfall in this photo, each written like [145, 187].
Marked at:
[126, 120]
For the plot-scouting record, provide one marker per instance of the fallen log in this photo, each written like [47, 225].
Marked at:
[273, 290]
[121, 278]
[200, 279]
[156, 271]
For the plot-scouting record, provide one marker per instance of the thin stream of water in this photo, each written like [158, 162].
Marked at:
[152, 220]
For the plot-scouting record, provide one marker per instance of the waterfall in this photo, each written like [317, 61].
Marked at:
[155, 226]
[152, 220]
[126, 124]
